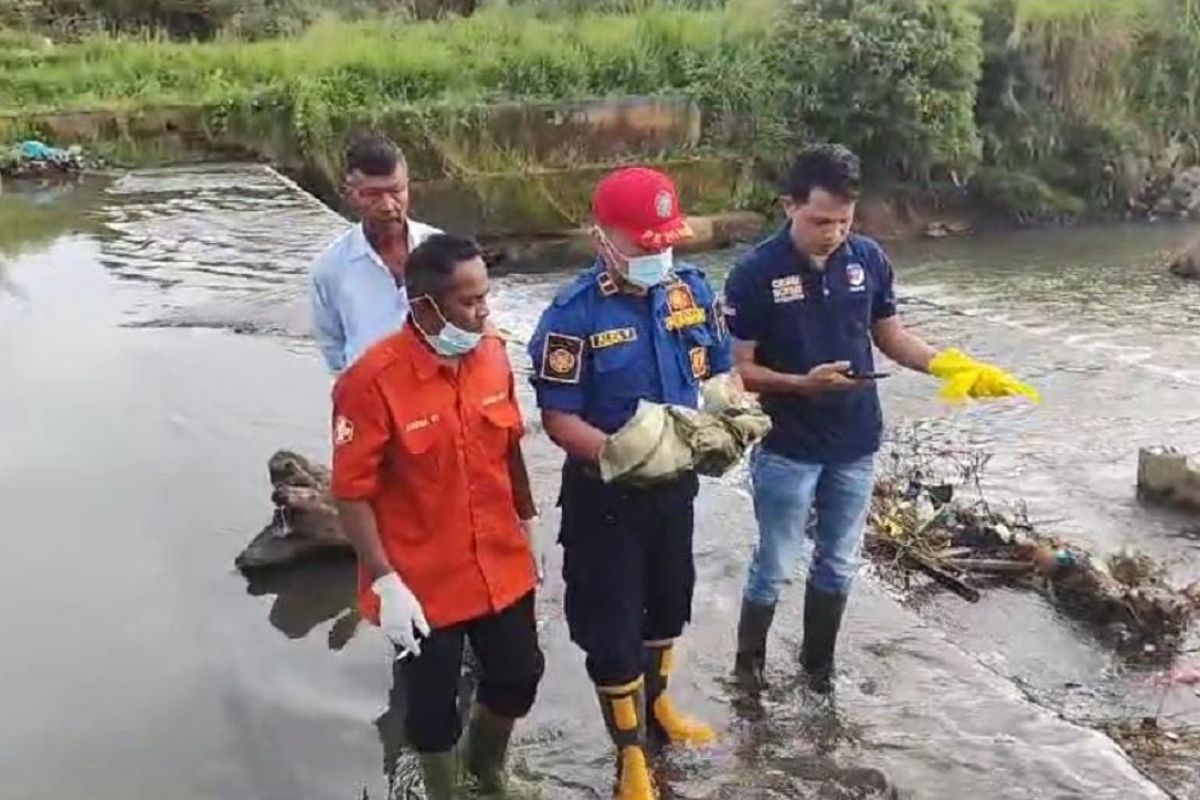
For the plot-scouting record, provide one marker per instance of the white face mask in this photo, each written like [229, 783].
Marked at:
[647, 271]
[451, 341]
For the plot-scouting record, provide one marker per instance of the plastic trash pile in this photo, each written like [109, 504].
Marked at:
[921, 527]
[32, 158]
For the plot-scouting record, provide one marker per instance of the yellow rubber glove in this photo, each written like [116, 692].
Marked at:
[964, 377]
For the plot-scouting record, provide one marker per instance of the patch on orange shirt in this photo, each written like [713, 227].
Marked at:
[343, 431]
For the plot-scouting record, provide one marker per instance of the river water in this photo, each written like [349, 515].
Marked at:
[153, 354]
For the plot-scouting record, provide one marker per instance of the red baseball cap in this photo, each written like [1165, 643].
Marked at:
[641, 203]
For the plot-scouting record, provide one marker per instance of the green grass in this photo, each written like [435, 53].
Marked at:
[1063, 92]
[505, 52]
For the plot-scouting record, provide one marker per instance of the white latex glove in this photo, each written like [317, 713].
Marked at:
[400, 614]
[537, 545]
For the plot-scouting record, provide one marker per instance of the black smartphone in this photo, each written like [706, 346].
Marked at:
[867, 376]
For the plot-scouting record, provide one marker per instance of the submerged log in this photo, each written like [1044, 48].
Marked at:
[305, 522]
[995, 566]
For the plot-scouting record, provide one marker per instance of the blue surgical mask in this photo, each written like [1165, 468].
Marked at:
[648, 271]
[451, 341]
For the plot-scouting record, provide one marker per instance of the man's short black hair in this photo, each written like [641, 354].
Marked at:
[372, 153]
[831, 167]
[430, 267]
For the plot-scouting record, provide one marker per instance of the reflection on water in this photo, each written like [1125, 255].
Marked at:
[309, 594]
[137, 474]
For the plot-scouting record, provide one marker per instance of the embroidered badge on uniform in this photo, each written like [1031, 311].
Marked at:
[856, 276]
[608, 286]
[787, 289]
[663, 205]
[681, 304]
[679, 297]
[343, 431]
[562, 358]
[609, 338]
[699, 358]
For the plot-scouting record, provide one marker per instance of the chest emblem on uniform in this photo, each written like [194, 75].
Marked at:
[856, 276]
[343, 431]
[604, 339]
[787, 289]
[699, 359]
[562, 358]
[683, 312]
[662, 204]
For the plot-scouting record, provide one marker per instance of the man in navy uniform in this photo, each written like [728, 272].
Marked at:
[636, 325]
[804, 308]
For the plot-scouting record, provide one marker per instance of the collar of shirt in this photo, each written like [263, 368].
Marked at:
[802, 261]
[360, 245]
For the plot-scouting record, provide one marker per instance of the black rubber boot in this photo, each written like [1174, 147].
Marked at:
[822, 619]
[440, 772]
[487, 749]
[750, 664]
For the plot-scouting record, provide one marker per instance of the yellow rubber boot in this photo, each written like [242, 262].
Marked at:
[666, 719]
[633, 778]
[622, 707]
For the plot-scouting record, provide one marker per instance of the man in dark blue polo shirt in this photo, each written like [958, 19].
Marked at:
[804, 307]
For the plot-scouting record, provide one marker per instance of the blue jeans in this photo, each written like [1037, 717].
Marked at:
[785, 493]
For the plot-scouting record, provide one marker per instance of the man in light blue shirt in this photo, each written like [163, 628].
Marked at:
[358, 294]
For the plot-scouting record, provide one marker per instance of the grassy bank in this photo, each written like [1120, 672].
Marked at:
[1045, 110]
[769, 76]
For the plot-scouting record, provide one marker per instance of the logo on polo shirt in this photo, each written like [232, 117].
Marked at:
[856, 276]
[787, 289]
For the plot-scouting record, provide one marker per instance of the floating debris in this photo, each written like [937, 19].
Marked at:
[34, 159]
[918, 525]
[1150, 742]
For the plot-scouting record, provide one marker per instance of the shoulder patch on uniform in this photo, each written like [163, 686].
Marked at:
[612, 337]
[343, 431]
[562, 358]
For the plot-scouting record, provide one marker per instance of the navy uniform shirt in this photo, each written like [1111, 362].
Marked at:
[801, 317]
[597, 351]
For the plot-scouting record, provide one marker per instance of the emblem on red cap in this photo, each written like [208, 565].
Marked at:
[662, 204]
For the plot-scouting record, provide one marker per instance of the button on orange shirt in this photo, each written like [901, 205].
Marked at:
[427, 445]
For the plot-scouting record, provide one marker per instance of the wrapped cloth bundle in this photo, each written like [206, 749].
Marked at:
[662, 442]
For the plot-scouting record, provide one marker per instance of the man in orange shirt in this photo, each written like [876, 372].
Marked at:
[433, 492]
